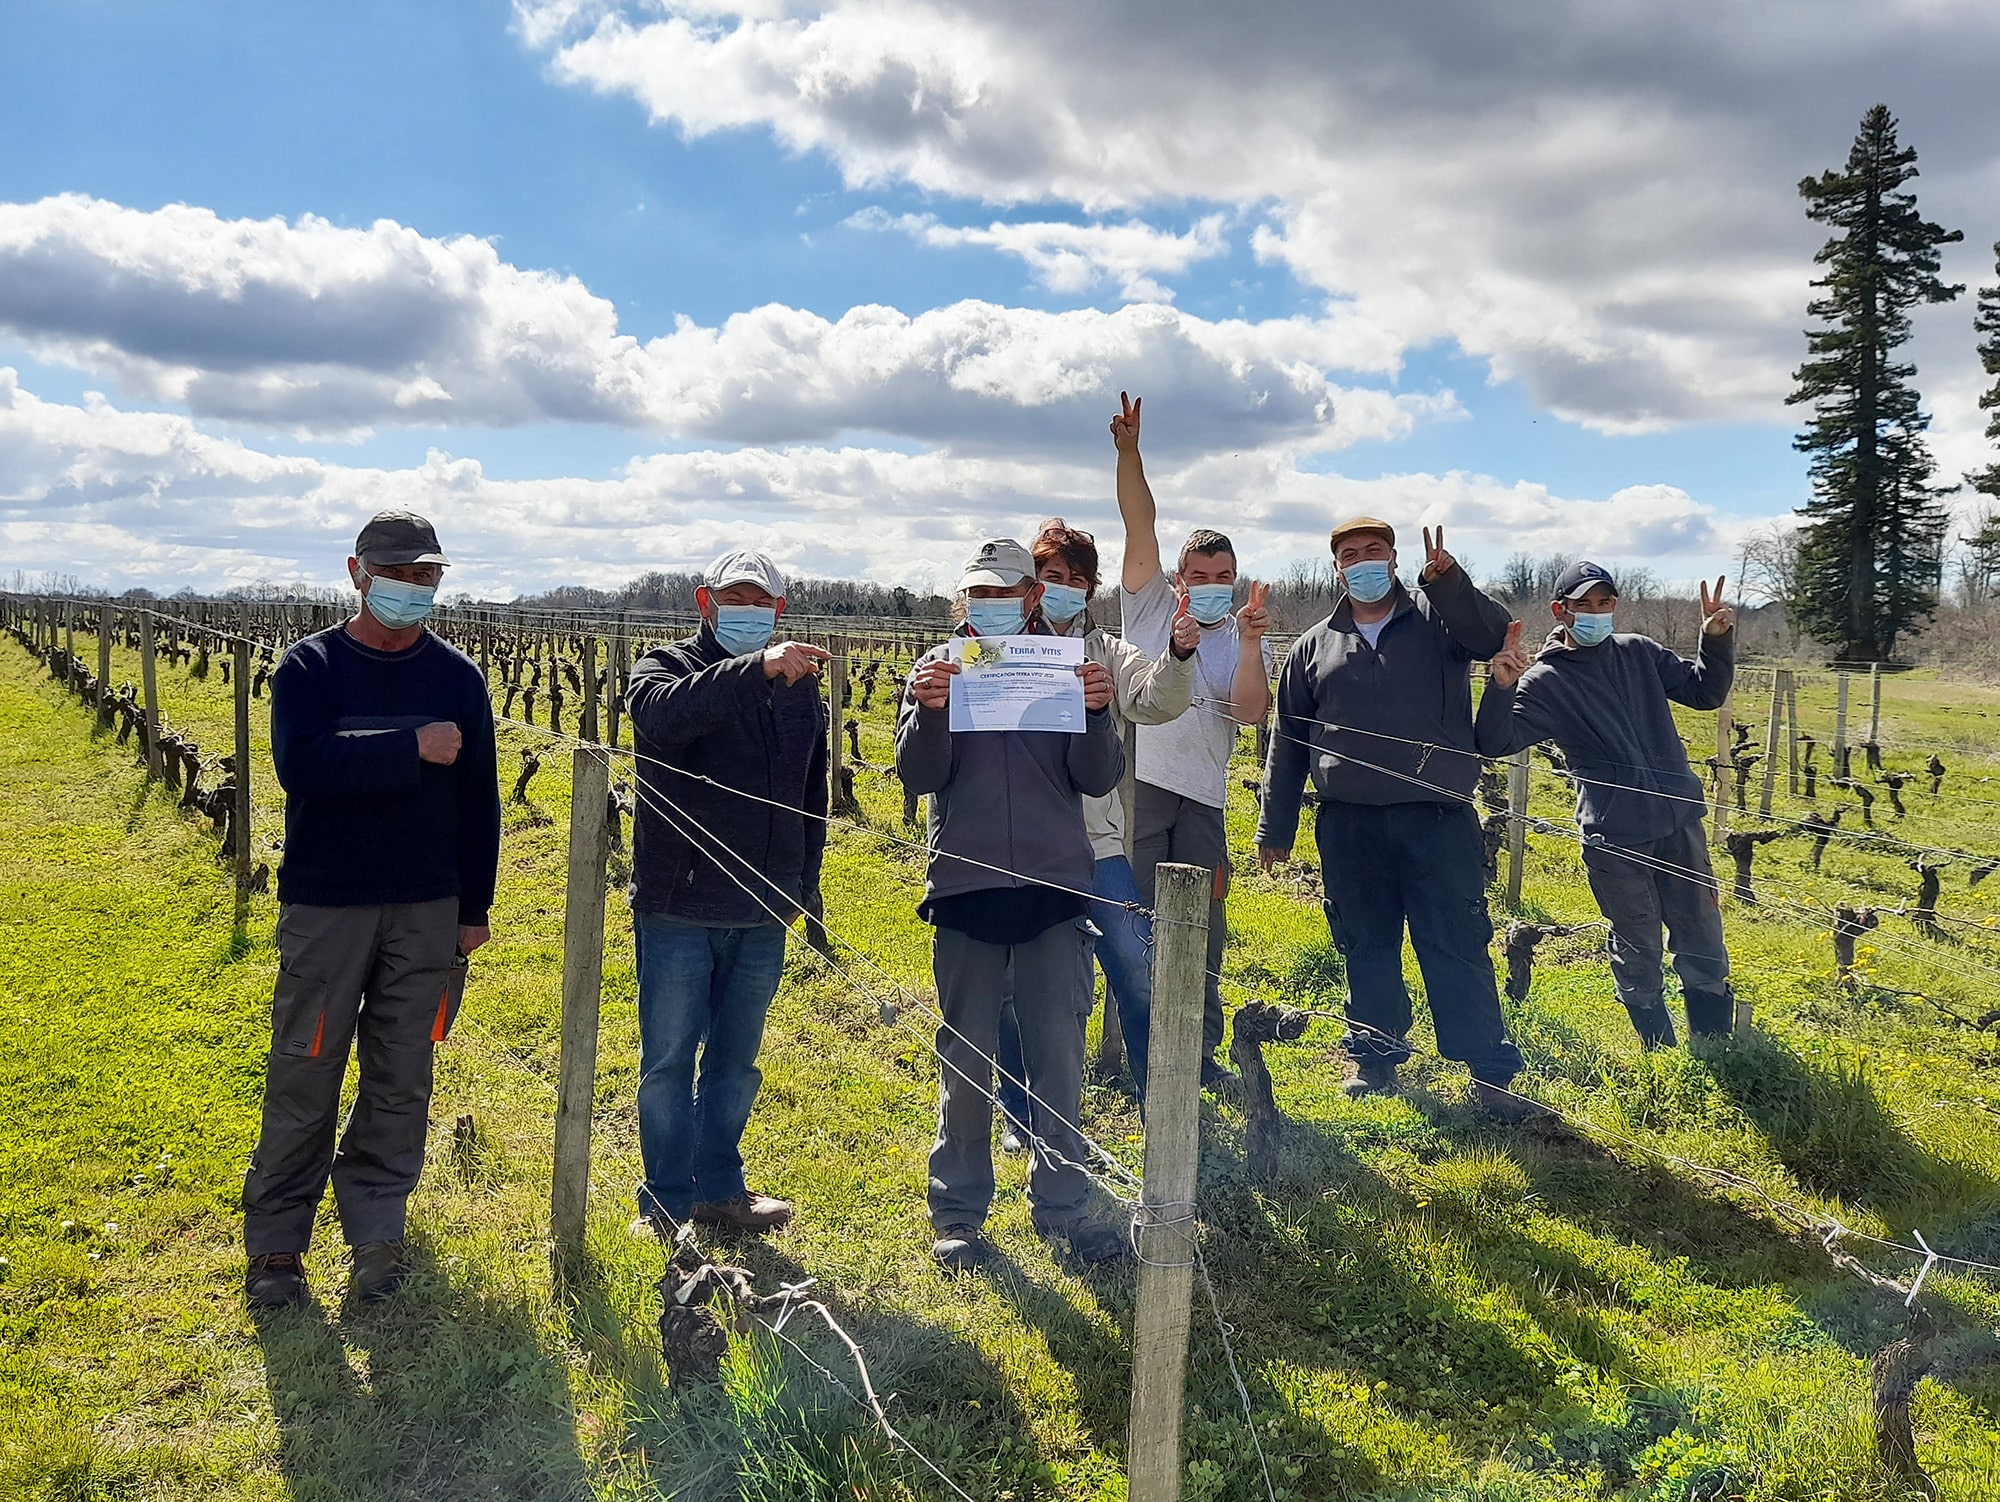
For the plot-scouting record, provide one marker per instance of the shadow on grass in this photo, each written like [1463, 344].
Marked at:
[448, 1394]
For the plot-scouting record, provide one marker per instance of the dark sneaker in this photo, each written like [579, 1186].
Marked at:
[379, 1270]
[960, 1248]
[1096, 1241]
[276, 1281]
[1012, 1142]
[744, 1212]
[1218, 1080]
[1371, 1077]
[1502, 1104]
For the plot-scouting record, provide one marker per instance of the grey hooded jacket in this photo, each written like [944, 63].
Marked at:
[1391, 723]
[1011, 800]
[1606, 708]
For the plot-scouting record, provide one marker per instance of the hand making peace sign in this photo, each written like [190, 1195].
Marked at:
[1125, 426]
[1716, 617]
[1436, 559]
[1511, 661]
[1253, 620]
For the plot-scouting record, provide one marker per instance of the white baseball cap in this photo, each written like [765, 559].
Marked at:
[746, 566]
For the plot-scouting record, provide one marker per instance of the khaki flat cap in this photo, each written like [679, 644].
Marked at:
[1362, 524]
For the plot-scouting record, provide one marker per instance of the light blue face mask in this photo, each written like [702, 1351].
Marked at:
[745, 628]
[397, 605]
[1001, 617]
[1587, 629]
[1062, 603]
[1369, 581]
[1209, 603]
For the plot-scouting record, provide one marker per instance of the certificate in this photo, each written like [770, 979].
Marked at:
[1017, 683]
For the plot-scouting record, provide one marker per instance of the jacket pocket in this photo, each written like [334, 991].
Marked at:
[298, 1016]
[451, 996]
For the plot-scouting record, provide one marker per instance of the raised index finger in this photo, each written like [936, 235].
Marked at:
[1440, 537]
[811, 651]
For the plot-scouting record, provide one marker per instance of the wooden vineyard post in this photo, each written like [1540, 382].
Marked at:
[1840, 727]
[1875, 704]
[1517, 825]
[582, 991]
[69, 629]
[614, 684]
[149, 681]
[586, 724]
[1166, 1233]
[1725, 764]
[103, 657]
[240, 683]
[1771, 741]
[1792, 727]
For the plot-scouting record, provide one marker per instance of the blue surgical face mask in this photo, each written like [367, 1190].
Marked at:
[1587, 629]
[745, 628]
[398, 605]
[1001, 617]
[1209, 603]
[1063, 603]
[1369, 581]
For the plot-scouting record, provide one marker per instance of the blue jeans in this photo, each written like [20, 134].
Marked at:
[706, 988]
[1126, 954]
[1421, 864]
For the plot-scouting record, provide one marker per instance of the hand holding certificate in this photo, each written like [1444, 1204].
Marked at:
[1018, 683]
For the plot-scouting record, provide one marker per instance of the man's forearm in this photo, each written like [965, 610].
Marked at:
[1250, 689]
[1141, 517]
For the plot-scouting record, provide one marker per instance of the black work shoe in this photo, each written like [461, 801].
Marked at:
[1218, 1080]
[1371, 1077]
[276, 1281]
[1095, 1241]
[1502, 1104]
[379, 1270]
[960, 1248]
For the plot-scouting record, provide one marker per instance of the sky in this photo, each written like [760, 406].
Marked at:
[604, 286]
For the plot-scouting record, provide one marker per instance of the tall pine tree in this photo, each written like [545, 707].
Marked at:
[1986, 324]
[1870, 550]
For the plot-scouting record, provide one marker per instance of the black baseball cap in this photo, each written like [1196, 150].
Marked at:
[1578, 579]
[393, 537]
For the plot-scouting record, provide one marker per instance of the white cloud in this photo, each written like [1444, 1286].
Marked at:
[120, 498]
[318, 328]
[1074, 258]
[1597, 198]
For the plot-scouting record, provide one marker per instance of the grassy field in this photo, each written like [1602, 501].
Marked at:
[1427, 1307]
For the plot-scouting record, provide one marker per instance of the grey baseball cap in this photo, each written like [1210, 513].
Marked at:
[1581, 577]
[1001, 561]
[746, 566]
[394, 537]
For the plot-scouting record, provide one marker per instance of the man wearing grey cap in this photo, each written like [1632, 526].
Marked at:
[1008, 891]
[382, 734]
[1375, 702]
[1602, 696]
[731, 734]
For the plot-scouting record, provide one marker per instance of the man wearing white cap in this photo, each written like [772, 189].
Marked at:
[710, 867]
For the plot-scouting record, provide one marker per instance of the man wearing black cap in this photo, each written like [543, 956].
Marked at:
[382, 735]
[1376, 702]
[1602, 696]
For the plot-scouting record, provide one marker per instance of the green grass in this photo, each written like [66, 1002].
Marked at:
[1425, 1307]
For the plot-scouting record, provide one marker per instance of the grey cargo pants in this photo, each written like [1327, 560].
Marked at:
[1169, 827]
[1050, 973]
[387, 978]
[1641, 887]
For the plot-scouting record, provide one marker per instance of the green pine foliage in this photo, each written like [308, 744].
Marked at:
[1986, 324]
[1870, 553]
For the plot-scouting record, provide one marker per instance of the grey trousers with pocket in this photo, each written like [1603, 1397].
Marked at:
[1666, 883]
[1049, 973]
[388, 981]
[1169, 827]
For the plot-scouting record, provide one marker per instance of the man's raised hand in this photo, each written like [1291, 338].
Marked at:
[1511, 661]
[1185, 634]
[1096, 684]
[1716, 617]
[1253, 620]
[930, 685]
[1125, 426]
[1436, 559]
[793, 660]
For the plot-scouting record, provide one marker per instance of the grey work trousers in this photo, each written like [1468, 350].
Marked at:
[1168, 827]
[382, 978]
[1638, 889]
[1048, 973]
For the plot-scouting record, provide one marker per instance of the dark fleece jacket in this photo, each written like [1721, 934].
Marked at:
[703, 854]
[1606, 707]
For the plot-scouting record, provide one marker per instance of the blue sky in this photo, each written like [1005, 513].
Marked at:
[1430, 286]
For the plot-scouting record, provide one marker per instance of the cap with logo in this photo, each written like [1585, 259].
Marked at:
[746, 566]
[1002, 562]
[1362, 524]
[1580, 578]
[397, 537]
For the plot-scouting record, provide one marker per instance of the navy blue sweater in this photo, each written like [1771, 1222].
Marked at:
[366, 820]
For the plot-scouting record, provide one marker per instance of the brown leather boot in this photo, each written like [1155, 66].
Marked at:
[745, 1212]
[379, 1270]
[276, 1281]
